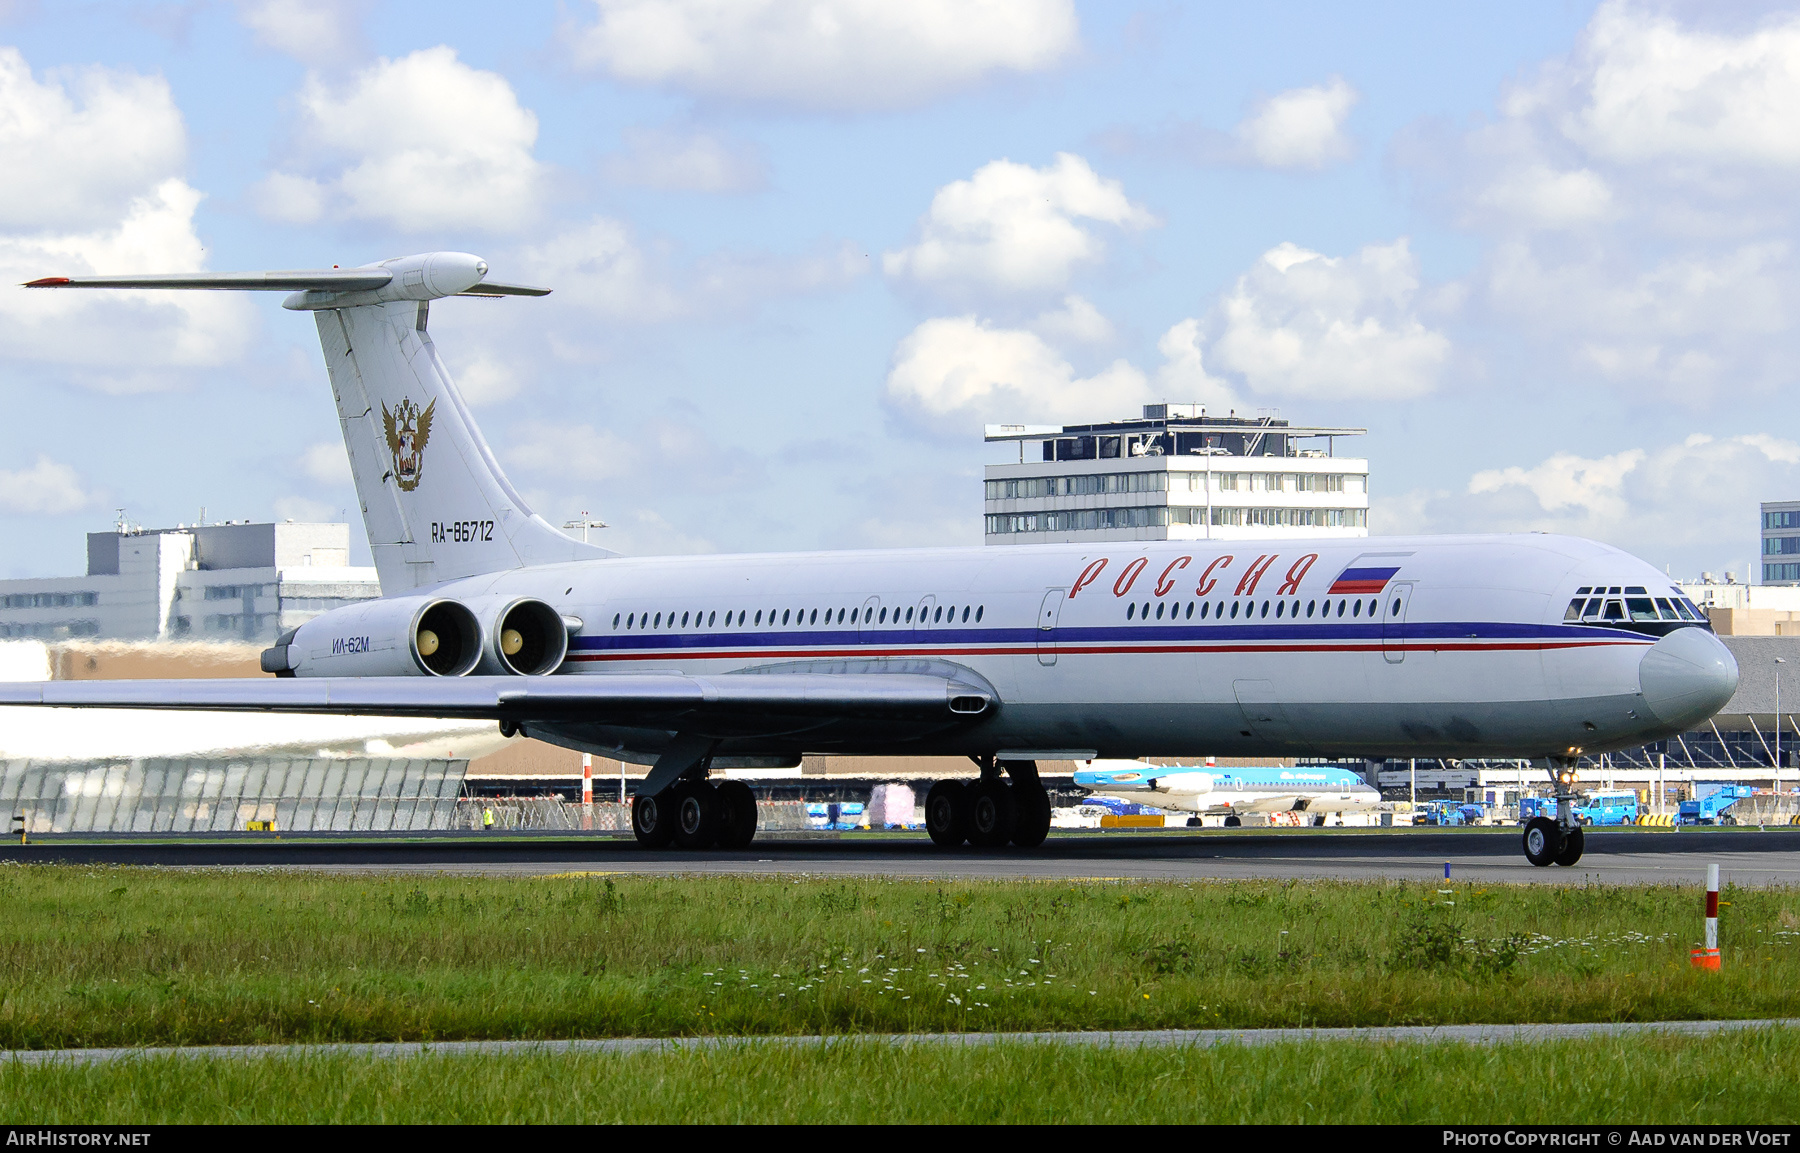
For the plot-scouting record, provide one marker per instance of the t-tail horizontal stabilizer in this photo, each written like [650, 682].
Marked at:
[434, 499]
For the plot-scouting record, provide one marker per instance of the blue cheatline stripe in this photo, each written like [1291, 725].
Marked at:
[1418, 632]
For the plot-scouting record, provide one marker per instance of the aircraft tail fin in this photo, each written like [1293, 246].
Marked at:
[436, 503]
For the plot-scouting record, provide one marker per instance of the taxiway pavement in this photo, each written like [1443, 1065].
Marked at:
[1746, 856]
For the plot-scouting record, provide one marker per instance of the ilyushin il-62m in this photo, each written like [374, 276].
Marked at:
[1521, 646]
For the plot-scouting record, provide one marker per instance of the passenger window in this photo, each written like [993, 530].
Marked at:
[658, 623]
[883, 618]
[1265, 609]
[1395, 610]
[629, 619]
[909, 613]
[1190, 610]
[1309, 609]
[710, 618]
[1341, 608]
[615, 620]
[684, 617]
[1641, 609]
[978, 609]
[1356, 608]
[1159, 610]
[937, 614]
[1615, 611]
[1131, 611]
[965, 614]
[758, 618]
[1279, 606]
[1234, 610]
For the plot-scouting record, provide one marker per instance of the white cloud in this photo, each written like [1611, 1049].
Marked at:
[1652, 90]
[600, 268]
[1300, 128]
[327, 463]
[311, 31]
[1183, 378]
[958, 372]
[1015, 228]
[116, 333]
[829, 54]
[47, 487]
[78, 161]
[306, 510]
[1077, 320]
[487, 378]
[1539, 196]
[685, 162]
[430, 142]
[1303, 324]
[1693, 504]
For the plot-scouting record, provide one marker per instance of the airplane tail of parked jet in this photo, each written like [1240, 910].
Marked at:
[402, 417]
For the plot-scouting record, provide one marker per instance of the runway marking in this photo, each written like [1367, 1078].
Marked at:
[1117, 1039]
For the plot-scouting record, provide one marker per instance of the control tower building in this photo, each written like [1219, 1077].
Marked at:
[1175, 474]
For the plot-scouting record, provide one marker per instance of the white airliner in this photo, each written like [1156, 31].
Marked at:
[1466, 646]
[1312, 789]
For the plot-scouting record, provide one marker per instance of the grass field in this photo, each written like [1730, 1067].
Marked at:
[1743, 1078]
[117, 956]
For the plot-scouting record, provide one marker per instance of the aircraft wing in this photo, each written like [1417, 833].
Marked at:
[729, 704]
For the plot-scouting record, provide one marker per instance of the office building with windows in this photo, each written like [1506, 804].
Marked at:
[211, 582]
[1781, 542]
[1175, 474]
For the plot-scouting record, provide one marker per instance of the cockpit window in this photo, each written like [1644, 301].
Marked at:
[1686, 609]
[1593, 609]
[1641, 608]
[1666, 609]
[1615, 611]
[1573, 612]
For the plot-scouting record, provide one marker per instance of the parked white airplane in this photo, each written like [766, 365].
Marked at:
[1471, 646]
[1234, 790]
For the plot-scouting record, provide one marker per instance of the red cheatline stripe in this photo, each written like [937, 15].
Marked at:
[1076, 650]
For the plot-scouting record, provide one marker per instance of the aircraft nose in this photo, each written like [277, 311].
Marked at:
[1687, 676]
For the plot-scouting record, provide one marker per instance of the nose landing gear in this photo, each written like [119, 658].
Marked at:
[1558, 841]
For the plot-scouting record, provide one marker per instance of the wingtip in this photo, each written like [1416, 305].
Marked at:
[47, 282]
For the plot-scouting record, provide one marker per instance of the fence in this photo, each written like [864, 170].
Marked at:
[551, 813]
[195, 795]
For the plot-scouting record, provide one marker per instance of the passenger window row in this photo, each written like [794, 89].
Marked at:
[1601, 604]
[801, 618]
[1289, 609]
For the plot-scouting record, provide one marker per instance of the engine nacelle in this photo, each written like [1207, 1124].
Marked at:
[389, 637]
[520, 636]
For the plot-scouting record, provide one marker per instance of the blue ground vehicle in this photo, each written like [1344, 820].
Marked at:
[1446, 814]
[1616, 807]
[1713, 805]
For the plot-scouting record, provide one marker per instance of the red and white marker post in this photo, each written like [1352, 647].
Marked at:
[1708, 958]
[587, 790]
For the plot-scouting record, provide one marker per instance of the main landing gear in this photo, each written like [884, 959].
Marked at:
[694, 813]
[990, 812]
[1558, 841]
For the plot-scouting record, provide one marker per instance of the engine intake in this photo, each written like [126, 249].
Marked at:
[389, 637]
[529, 638]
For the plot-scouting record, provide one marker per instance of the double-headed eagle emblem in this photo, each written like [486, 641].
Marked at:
[407, 431]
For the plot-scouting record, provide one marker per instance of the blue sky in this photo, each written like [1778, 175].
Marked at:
[802, 251]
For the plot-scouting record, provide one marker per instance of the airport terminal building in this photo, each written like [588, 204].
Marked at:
[1175, 474]
[211, 582]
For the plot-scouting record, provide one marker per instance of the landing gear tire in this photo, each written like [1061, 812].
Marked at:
[653, 819]
[737, 823]
[1193, 822]
[1032, 824]
[698, 816]
[993, 814]
[1571, 847]
[1543, 841]
[947, 814]
[1233, 821]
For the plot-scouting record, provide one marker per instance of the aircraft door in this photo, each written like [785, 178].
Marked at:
[1048, 614]
[1394, 603]
[865, 621]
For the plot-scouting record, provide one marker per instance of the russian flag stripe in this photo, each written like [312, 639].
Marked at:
[1356, 581]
